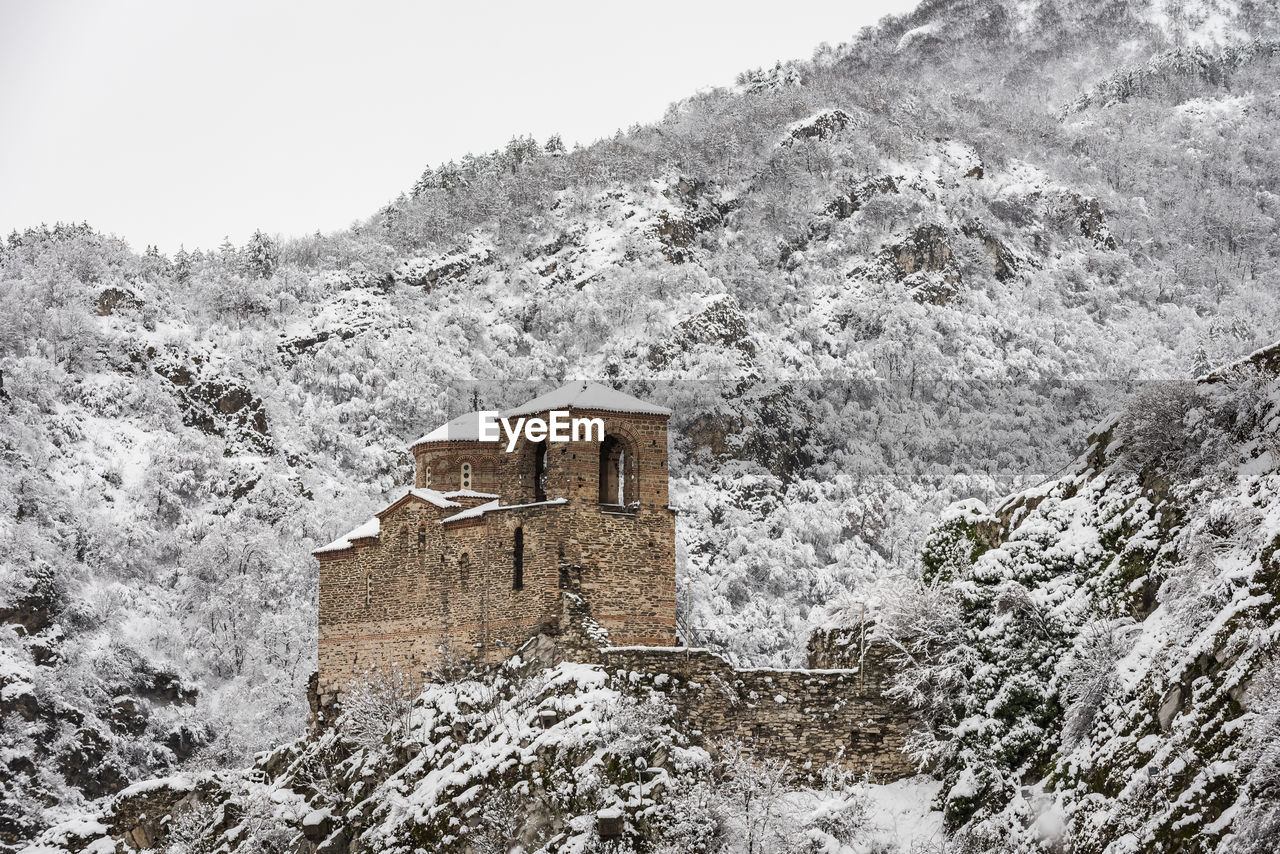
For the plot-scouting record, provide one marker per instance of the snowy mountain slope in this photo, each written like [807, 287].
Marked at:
[1095, 658]
[868, 285]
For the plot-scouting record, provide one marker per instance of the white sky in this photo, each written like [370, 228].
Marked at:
[175, 123]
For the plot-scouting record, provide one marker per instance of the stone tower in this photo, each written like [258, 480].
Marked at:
[480, 555]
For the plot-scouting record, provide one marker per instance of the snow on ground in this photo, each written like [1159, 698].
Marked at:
[903, 812]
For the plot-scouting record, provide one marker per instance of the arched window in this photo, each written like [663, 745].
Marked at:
[517, 570]
[539, 452]
[426, 477]
[368, 590]
[422, 535]
[464, 569]
[617, 472]
[464, 482]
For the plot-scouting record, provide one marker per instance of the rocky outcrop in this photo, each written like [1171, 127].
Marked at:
[821, 126]
[701, 211]
[140, 815]
[429, 273]
[112, 299]
[927, 249]
[1091, 222]
[294, 347]
[214, 403]
[721, 325]
[87, 763]
[38, 607]
[840, 208]
[1003, 263]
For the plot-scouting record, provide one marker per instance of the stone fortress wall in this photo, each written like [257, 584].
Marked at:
[808, 717]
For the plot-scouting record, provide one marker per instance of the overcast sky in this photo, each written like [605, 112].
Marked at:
[172, 123]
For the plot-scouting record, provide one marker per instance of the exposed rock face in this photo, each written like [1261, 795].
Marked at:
[295, 346]
[1002, 260]
[1091, 222]
[845, 206]
[113, 298]
[429, 273]
[82, 746]
[214, 403]
[840, 208]
[927, 262]
[84, 763]
[702, 212]
[720, 324]
[128, 715]
[694, 703]
[822, 126]
[39, 608]
[927, 249]
[139, 816]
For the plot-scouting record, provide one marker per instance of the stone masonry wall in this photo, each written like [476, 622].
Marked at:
[810, 717]
[628, 572]
[424, 591]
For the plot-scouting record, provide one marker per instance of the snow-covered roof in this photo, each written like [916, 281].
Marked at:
[464, 428]
[469, 493]
[431, 496]
[489, 507]
[373, 527]
[366, 529]
[574, 395]
[587, 395]
[473, 512]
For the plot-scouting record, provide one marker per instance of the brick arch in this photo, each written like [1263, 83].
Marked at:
[620, 485]
[523, 474]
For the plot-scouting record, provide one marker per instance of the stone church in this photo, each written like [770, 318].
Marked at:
[573, 543]
[477, 557]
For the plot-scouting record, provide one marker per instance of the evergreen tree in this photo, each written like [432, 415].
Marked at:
[261, 256]
[181, 264]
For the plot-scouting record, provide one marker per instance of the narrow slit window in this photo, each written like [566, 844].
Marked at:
[540, 471]
[517, 570]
